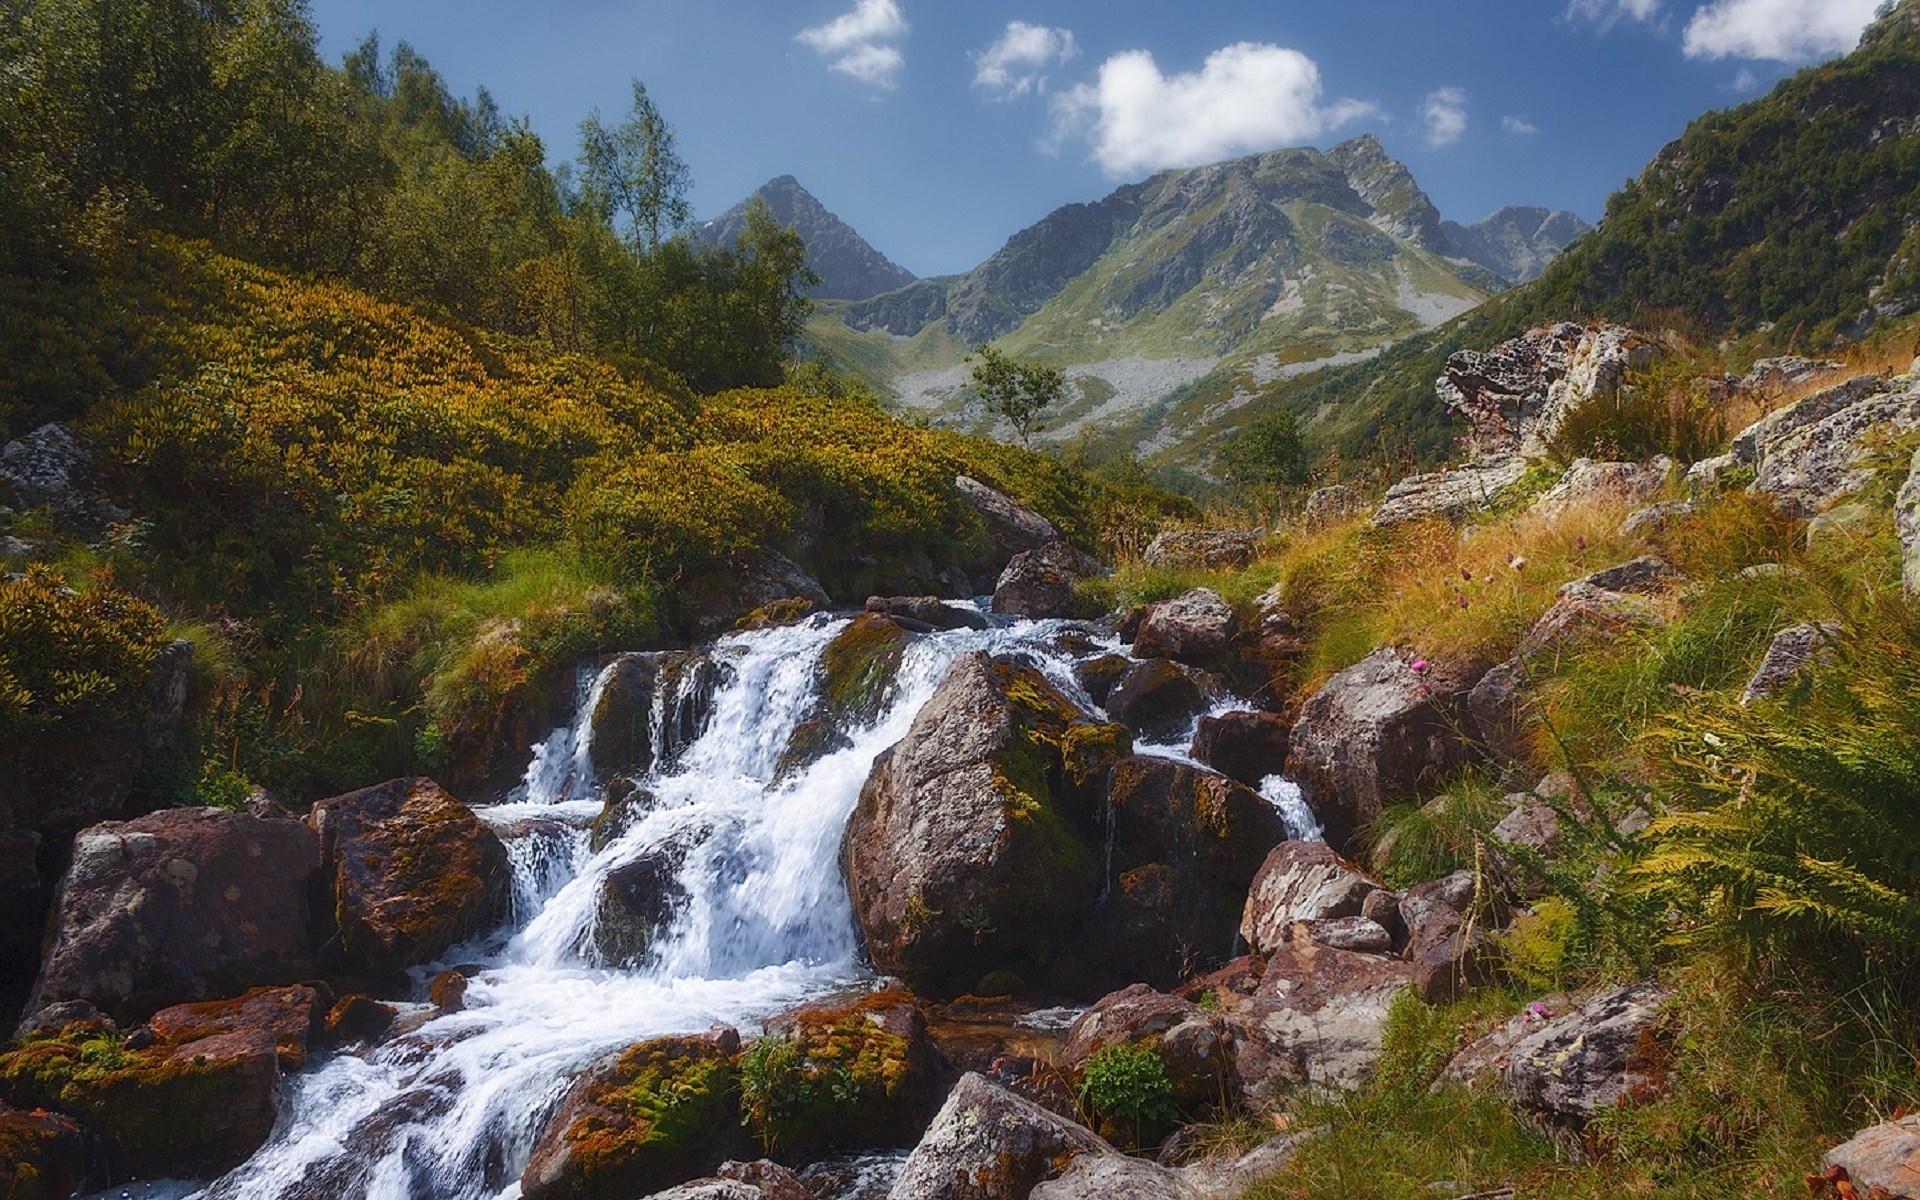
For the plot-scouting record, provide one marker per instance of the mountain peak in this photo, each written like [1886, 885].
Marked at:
[848, 266]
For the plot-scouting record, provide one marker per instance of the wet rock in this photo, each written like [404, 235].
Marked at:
[1098, 675]
[447, 992]
[1330, 506]
[1318, 1017]
[930, 611]
[1792, 651]
[858, 668]
[358, 1018]
[1380, 730]
[1451, 494]
[1193, 627]
[44, 1156]
[1040, 583]
[1011, 526]
[759, 586]
[845, 1075]
[1300, 881]
[811, 740]
[646, 1118]
[971, 849]
[1247, 746]
[652, 706]
[638, 901]
[626, 804]
[290, 1016]
[757, 1180]
[1158, 698]
[408, 871]
[1191, 1043]
[179, 905]
[1184, 845]
[1201, 549]
[1589, 1059]
[1588, 482]
[988, 1144]
[1881, 1159]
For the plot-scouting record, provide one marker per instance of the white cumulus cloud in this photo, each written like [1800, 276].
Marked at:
[1605, 13]
[1016, 63]
[1444, 115]
[1246, 97]
[863, 42]
[1519, 126]
[1780, 30]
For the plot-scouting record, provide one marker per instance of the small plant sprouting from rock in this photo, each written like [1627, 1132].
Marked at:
[1127, 1090]
[976, 920]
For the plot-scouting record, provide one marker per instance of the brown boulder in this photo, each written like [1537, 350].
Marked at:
[44, 1156]
[1318, 1017]
[1300, 881]
[1193, 627]
[1040, 583]
[845, 1075]
[1449, 952]
[409, 871]
[290, 1016]
[1191, 1043]
[1883, 1158]
[179, 905]
[1247, 746]
[1158, 698]
[1011, 526]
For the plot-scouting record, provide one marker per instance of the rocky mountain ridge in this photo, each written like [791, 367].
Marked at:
[849, 267]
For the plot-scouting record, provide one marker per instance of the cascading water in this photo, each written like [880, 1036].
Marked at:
[452, 1107]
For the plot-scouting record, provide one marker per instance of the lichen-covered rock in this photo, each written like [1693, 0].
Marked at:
[44, 1156]
[1531, 823]
[1330, 505]
[1485, 1056]
[971, 847]
[858, 667]
[1300, 881]
[1247, 746]
[989, 1144]
[1040, 583]
[1588, 482]
[1813, 454]
[1098, 675]
[1518, 395]
[757, 1180]
[1098, 1176]
[1451, 494]
[1158, 698]
[1191, 1043]
[1906, 524]
[1202, 549]
[1011, 526]
[179, 905]
[844, 1075]
[1319, 1016]
[1882, 1159]
[409, 871]
[1656, 518]
[1792, 651]
[1380, 730]
[1590, 1059]
[650, 708]
[646, 1118]
[1350, 933]
[1772, 376]
[189, 1109]
[290, 1016]
[1194, 626]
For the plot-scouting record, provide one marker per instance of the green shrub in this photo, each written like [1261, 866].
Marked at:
[1127, 1086]
[70, 659]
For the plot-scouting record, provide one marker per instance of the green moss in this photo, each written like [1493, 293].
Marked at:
[654, 1116]
[838, 1079]
[860, 664]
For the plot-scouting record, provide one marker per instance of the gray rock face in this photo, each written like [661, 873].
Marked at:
[1574, 1066]
[1012, 527]
[1643, 576]
[1488, 1054]
[1193, 626]
[1792, 651]
[1040, 583]
[1318, 1016]
[1656, 518]
[1451, 494]
[1772, 376]
[1205, 549]
[758, 1180]
[1814, 453]
[1498, 706]
[1517, 242]
[1377, 731]
[1532, 823]
[1518, 395]
[849, 268]
[180, 905]
[1300, 881]
[1882, 1156]
[44, 468]
[1331, 505]
[989, 1144]
[1590, 482]
[1099, 1176]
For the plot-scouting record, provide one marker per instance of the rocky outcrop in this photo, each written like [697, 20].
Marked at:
[1300, 881]
[1201, 549]
[1380, 730]
[1331, 505]
[291, 1016]
[1882, 1159]
[1818, 451]
[1194, 626]
[1011, 526]
[1040, 583]
[45, 469]
[1246, 746]
[1158, 698]
[1452, 494]
[179, 905]
[408, 871]
[1319, 1016]
[988, 1144]
[654, 1115]
[1628, 484]
[1518, 395]
[651, 707]
[1792, 651]
[1192, 1044]
[969, 850]
[1589, 1059]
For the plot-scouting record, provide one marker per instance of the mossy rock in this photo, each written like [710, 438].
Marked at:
[811, 741]
[859, 665]
[844, 1076]
[43, 1156]
[652, 1116]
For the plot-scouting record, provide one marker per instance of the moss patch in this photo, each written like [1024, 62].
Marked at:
[860, 665]
[649, 1124]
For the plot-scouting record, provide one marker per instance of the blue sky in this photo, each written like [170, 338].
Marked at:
[939, 129]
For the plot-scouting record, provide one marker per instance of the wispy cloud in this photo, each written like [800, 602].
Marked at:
[1518, 126]
[1608, 13]
[1246, 97]
[1016, 63]
[1779, 30]
[1444, 115]
[863, 43]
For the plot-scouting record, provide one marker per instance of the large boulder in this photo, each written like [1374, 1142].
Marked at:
[847, 1075]
[758, 586]
[1182, 846]
[1453, 493]
[645, 1118]
[1194, 626]
[1300, 881]
[183, 904]
[408, 871]
[648, 710]
[1011, 526]
[1201, 549]
[1882, 1159]
[1040, 583]
[290, 1016]
[988, 1144]
[1192, 1044]
[1518, 395]
[1626, 484]
[971, 848]
[1318, 1016]
[1590, 1059]
[1247, 746]
[1811, 455]
[1378, 731]
[1158, 698]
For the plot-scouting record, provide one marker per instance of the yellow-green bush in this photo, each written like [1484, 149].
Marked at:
[71, 657]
